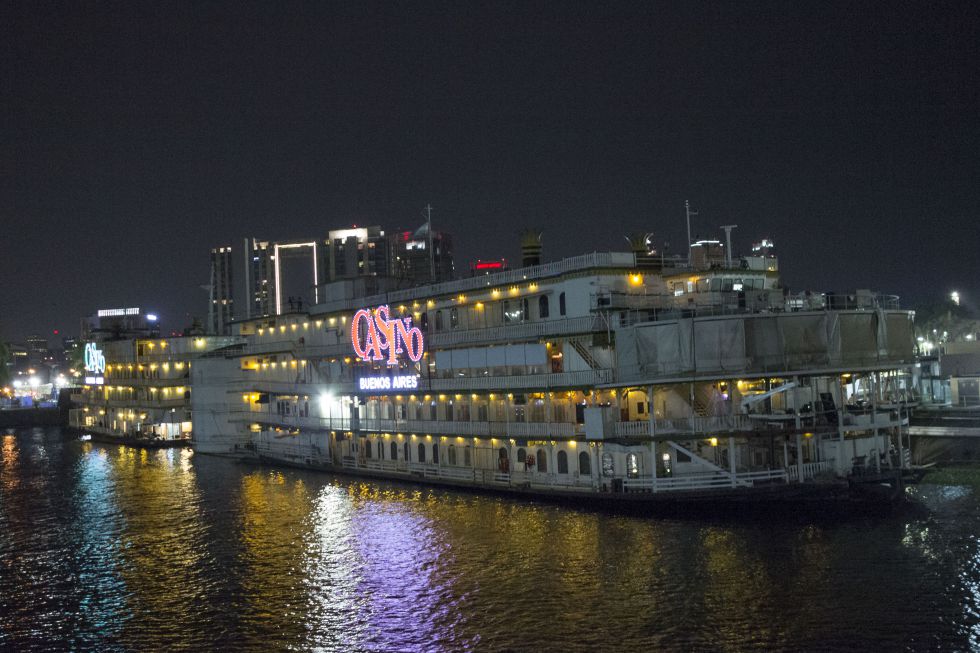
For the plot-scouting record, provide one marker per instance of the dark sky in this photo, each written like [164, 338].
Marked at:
[134, 136]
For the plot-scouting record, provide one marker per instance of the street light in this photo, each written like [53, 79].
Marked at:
[955, 297]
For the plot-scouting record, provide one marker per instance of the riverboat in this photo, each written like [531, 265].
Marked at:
[609, 377]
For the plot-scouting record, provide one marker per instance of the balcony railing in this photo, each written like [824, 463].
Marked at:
[810, 470]
[517, 332]
[521, 275]
[705, 481]
[697, 424]
[581, 379]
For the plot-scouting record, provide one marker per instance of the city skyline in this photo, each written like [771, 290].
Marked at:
[139, 137]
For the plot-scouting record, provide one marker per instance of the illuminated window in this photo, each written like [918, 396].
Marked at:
[607, 464]
[632, 465]
[584, 464]
[562, 462]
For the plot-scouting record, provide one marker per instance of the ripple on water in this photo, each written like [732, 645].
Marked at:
[114, 548]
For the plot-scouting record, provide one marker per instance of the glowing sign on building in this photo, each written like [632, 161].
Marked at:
[94, 359]
[117, 312]
[95, 364]
[383, 383]
[382, 334]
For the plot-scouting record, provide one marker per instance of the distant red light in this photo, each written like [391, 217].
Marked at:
[489, 265]
[55, 332]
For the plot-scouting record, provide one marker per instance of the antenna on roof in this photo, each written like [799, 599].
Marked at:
[432, 254]
[689, 213]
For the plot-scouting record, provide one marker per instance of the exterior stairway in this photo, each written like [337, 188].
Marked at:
[582, 350]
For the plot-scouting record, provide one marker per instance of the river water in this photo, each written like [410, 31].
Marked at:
[104, 547]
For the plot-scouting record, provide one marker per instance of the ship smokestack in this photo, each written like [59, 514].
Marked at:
[530, 247]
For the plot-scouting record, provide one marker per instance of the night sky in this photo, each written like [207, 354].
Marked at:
[134, 136]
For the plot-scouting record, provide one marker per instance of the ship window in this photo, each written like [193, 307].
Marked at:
[525, 313]
[542, 306]
[435, 453]
[407, 452]
[425, 321]
[561, 304]
[394, 451]
[466, 456]
[438, 320]
[607, 464]
[453, 318]
[584, 464]
[521, 455]
[542, 461]
[367, 448]
[452, 454]
[421, 452]
[562, 462]
[632, 465]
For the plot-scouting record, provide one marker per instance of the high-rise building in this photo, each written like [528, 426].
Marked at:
[357, 252]
[259, 278]
[413, 262]
[37, 348]
[221, 307]
[284, 276]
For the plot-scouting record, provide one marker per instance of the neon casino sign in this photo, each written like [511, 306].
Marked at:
[385, 336]
[94, 363]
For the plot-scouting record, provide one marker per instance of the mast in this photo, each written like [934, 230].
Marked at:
[432, 254]
[688, 212]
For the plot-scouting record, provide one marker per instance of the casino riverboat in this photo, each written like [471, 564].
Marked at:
[615, 377]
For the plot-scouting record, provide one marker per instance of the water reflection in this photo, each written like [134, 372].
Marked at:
[105, 547]
[97, 525]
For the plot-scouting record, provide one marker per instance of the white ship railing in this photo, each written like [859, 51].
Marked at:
[579, 379]
[810, 470]
[544, 429]
[697, 424]
[510, 333]
[583, 379]
[510, 277]
[433, 426]
[290, 451]
[707, 481]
